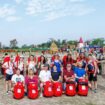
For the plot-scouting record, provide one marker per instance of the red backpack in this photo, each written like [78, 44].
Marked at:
[18, 91]
[57, 89]
[48, 90]
[83, 87]
[71, 88]
[32, 90]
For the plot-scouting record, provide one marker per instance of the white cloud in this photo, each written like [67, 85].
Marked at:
[77, 0]
[12, 18]
[54, 9]
[18, 1]
[8, 13]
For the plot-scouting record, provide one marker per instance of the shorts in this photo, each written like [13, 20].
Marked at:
[8, 77]
[91, 77]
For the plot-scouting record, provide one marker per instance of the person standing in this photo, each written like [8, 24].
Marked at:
[8, 66]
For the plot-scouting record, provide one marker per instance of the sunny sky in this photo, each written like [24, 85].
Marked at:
[35, 21]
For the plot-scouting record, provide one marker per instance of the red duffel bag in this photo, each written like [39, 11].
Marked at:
[57, 89]
[71, 88]
[18, 91]
[32, 90]
[83, 87]
[48, 89]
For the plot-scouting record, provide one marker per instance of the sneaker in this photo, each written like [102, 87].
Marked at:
[95, 90]
[9, 91]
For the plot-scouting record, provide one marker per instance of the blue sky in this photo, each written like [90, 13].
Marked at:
[35, 21]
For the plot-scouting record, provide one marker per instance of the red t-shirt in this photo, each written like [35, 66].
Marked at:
[68, 73]
[35, 79]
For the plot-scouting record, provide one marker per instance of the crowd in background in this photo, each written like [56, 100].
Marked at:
[60, 67]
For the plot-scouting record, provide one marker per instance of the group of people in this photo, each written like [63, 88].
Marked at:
[69, 67]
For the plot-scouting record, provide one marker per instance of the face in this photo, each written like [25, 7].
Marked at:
[69, 56]
[46, 68]
[31, 58]
[55, 68]
[80, 65]
[42, 58]
[89, 57]
[18, 72]
[31, 72]
[56, 57]
[21, 59]
[82, 55]
[68, 67]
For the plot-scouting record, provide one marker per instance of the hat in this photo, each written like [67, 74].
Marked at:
[46, 65]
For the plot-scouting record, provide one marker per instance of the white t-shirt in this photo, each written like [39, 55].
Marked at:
[16, 78]
[31, 65]
[45, 75]
[21, 66]
[9, 68]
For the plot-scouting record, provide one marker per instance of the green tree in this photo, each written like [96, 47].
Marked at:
[98, 42]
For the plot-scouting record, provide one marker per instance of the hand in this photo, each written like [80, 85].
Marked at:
[94, 74]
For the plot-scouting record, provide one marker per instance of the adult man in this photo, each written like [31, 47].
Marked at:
[44, 75]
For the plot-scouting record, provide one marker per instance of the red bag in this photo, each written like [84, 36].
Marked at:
[48, 90]
[57, 89]
[32, 90]
[19, 91]
[71, 88]
[83, 87]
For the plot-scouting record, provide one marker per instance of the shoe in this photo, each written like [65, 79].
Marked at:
[9, 91]
[95, 90]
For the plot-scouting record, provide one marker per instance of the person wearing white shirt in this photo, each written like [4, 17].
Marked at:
[21, 65]
[31, 64]
[44, 75]
[9, 72]
[17, 78]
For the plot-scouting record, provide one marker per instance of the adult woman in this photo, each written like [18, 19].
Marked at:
[31, 64]
[31, 77]
[67, 60]
[56, 76]
[57, 62]
[41, 61]
[92, 68]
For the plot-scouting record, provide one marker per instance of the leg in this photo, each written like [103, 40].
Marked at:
[10, 85]
[6, 86]
[41, 90]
